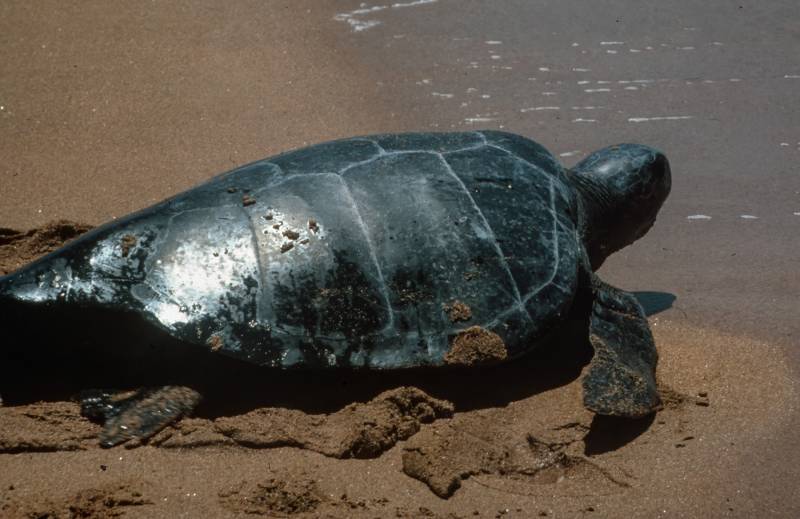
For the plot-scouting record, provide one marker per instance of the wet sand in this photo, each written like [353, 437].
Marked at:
[109, 108]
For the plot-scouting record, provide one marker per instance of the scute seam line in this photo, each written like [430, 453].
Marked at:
[260, 269]
[557, 256]
[489, 229]
[536, 168]
[373, 256]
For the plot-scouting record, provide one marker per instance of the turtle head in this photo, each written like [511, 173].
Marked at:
[623, 187]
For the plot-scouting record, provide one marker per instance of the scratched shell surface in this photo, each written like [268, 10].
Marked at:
[345, 253]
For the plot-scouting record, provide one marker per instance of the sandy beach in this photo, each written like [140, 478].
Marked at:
[106, 108]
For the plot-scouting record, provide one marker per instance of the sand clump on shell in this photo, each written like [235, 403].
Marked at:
[474, 346]
[458, 311]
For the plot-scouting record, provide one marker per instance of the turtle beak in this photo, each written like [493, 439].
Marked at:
[643, 230]
[659, 176]
[652, 184]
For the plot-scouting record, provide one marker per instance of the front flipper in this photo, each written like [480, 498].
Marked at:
[137, 415]
[621, 377]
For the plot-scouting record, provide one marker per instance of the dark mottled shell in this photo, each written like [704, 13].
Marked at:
[348, 253]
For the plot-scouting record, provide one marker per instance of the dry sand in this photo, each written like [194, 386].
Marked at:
[108, 107]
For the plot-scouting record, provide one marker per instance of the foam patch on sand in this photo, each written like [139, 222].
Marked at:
[358, 20]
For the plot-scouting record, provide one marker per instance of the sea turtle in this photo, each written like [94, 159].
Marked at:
[378, 252]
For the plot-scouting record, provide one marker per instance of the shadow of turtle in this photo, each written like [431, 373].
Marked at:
[609, 433]
[110, 353]
[654, 302]
[81, 348]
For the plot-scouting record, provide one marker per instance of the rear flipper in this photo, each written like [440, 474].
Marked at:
[137, 415]
[620, 380]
